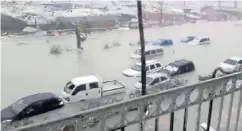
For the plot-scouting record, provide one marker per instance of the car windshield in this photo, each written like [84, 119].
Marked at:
[69, 87]
[136, 67]
[19, 106]
[148, 80]
[230, 62]
[137, 52]
[169, 69]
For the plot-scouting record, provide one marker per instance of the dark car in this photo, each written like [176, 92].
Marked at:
[178, 67]
[30, 106]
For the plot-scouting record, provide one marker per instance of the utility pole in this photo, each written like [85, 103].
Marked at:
[161, 12]
[235, 4]
[185, 11]
[219, 4]
[142, 44]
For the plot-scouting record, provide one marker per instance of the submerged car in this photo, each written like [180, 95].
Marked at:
[188, 39]
[31, 106]
[232, 64]
[152, 80]
[152, 66]
[163, 42]
[192, 40]
[178, 67]
[150, 51]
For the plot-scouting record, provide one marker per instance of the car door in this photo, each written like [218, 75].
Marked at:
[152, 68]
[163, 82]
[158, 67]
[34, 109]
[147, 68]
[79, 93]
[94, 91]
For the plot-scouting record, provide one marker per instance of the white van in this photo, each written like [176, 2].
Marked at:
[90, 87]
[149, 51]
[152, 66]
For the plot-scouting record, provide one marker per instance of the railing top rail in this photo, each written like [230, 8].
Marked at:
[204, 84]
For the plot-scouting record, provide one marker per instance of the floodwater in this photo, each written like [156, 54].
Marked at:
[29, 68]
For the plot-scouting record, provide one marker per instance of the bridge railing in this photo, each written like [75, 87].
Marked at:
[140, 110]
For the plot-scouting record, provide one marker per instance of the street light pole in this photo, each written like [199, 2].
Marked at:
[142, 44]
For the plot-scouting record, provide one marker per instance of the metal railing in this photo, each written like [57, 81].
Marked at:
[125, 114]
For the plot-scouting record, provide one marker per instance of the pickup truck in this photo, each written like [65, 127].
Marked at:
[90, 87]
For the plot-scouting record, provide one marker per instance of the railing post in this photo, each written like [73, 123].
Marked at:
[171, 121]
[210, 110]
[185, 120]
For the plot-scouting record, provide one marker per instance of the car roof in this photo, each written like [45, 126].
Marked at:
[148, 62]
[37, 97]
[180, 62]
[155, 75]
[236, 58]
[85, 79]
[147, 48]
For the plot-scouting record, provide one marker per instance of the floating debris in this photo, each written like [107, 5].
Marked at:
[115, 43]
[106, 46]
[56, 49]
[21, 43]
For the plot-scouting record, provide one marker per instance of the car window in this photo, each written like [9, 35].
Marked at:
[147, 53]
[163, 78]
[158, 65]
[93, 85]
[152, 67]
[30, 111]
[159, 50]
[153, 51]
[79, 88]
[202, 40]
[240, 62]
[155, 81]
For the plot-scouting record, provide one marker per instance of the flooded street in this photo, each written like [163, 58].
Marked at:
[30, 68]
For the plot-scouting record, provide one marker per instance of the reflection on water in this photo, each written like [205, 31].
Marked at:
[30, 68]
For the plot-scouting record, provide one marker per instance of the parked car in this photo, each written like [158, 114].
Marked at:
[149, 52]
[178, 67]
[191, 40]
[153, 80]
[188, 39]
[90, 87]
[152, 66]
[31, 106]
[232, 64]
[163, 42]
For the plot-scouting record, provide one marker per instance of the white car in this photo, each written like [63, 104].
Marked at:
[152, 80]
[191, 40]
[149, 52]
[232, 64]
[152, 66]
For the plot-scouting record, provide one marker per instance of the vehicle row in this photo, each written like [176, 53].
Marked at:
[93, 87]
